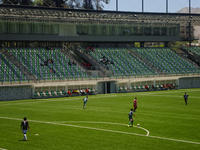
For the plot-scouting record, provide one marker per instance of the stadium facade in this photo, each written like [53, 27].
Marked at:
[46, 52]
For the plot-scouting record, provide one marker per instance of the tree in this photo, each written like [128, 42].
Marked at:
[26, 2]
[60, 3]
[10, 2]
[17, 2]
[87, 4]
[50, 3]
[100, 4]
[38, 2]
[74, 4]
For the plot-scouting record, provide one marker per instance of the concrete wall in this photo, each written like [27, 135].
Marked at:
[15, 92]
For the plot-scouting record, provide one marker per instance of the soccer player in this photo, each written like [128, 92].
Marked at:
[135, 104]
[85, 101]
[24, 127]
[186, 98]
[130, 116]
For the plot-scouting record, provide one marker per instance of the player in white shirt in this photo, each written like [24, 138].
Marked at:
[85, 101]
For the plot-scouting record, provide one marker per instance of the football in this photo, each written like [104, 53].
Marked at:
[138, 124]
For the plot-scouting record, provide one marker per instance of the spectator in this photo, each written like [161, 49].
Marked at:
[82, 92]
[73, 63]
[52, 70]
[87, 91]
[147, 87]
[75, 92]
[69, 93]
[47, 62]
[50, 61]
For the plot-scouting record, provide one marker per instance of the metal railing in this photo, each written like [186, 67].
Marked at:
[97, 79]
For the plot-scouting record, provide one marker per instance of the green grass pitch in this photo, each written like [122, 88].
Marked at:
[62, 124]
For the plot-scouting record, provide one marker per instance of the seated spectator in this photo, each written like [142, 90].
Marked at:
[50, 61]
[164, 86]
[47, 62]
[146, 87]
[73, 63]
[69, 93]
[105, 61]
[82, 92]
[52, 70]
[86, 64]
[76, 92]
[87, 91]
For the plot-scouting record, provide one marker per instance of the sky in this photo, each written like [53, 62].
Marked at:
[151, 5]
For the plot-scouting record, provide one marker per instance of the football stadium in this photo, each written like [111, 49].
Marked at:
[94, 79]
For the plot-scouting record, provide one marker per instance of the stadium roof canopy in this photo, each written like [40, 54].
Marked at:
[18, 12]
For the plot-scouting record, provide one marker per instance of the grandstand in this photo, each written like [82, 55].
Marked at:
[54, 52]
[47, 64]
[167, 61]
[195, 50]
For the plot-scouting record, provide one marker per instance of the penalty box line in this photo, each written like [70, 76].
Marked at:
[106, 130]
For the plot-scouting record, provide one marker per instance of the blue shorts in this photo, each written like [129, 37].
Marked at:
[24, 131]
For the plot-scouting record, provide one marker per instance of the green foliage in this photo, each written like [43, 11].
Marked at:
[18, 2]
[38, 2]
[86, 4]
[177, 45]
[163, 113]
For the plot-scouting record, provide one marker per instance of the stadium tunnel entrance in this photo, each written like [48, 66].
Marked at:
[106, 87]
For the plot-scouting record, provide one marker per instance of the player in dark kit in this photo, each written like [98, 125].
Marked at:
[186, 98]
[135, 104]
[130, 117]
[24, 127]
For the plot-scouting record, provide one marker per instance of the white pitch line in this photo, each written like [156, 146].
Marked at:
[39, 101]
[107, 130]
[112, 123]
[2, 148]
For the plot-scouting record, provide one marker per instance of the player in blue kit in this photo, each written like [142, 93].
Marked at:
[186, 98]
[24, 127]
[85, 101]
[130, 116]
